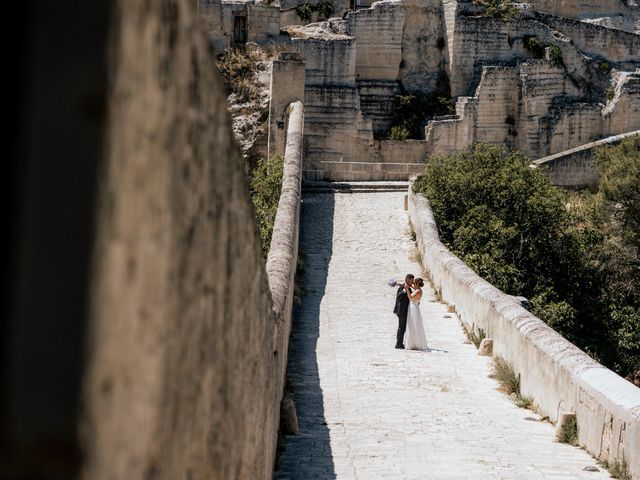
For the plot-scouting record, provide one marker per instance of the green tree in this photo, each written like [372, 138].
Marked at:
[575, 255]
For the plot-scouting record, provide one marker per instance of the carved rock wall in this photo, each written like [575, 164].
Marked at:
[186, 354]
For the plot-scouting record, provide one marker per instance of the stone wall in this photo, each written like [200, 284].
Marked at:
[575, 168]
[378, 34]
[609, 43]
[534, 106]
[287, 86]
[424, 47]
[622, 112]
[187, 348]
[217, 16]
[381, 160]
[608, 13]
[558, 375]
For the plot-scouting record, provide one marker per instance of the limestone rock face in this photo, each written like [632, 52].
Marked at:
[182, 377]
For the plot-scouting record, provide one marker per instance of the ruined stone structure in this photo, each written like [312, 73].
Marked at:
[545, 80]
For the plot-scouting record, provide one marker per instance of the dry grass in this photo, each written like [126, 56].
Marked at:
[506, 376]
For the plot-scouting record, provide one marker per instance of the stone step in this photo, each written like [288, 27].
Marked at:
[349, 187]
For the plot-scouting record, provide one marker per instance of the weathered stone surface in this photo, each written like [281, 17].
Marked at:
[611, 13]
[486, 347]
[575, 168]
[188, 349]
[287, 86]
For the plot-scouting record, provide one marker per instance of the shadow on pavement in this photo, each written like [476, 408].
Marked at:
[308, 454]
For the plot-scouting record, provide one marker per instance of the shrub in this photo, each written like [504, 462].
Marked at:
[523, 402]
[398, 132]
[555, 54]
[611, 92]
[569, 432]
[604, 67]
[619, 470]
[238, 70]
[500, 9]
[533, 45]
[413, 111]
[325, 9]
[304, 11]
[265, 189]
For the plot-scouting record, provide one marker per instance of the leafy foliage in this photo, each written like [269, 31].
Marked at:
[325, 8]
[304, 11]
[532, 43]
[574, 255]
[501, 9]
[413, 111]
[569, 432]
[398, 132]
[555, 54]
[265, 189]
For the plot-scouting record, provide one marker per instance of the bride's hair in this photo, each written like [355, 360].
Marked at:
[419, 282]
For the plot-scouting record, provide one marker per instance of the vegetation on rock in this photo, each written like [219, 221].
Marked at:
[555, 54]
[575, 255]
[413, 111]
[532, 44]
[304, 11]
[325, 9]
[500, 9]
[239, 69]
[265, 189]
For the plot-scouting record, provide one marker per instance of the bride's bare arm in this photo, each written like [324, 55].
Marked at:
[417, 295]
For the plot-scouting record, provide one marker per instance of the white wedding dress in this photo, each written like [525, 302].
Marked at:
[414, 337]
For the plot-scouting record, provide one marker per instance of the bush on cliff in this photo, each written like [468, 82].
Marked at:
[514, 228]
[265, 189]
[412, 111]
[500, 9]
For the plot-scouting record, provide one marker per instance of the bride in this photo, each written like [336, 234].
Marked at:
[414, 337]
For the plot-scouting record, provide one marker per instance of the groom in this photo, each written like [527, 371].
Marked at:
[401, 308]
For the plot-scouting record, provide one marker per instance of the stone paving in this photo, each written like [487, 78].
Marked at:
[369, 411]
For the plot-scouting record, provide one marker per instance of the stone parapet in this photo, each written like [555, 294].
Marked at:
[558, 375]
[575, 168]
[283, 250]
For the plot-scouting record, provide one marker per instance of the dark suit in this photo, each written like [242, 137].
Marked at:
[401, 309]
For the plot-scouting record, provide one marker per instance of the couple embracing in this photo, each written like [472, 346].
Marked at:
[410, 329]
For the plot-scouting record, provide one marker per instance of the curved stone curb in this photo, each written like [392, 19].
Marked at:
[283, 251]
[557, 374]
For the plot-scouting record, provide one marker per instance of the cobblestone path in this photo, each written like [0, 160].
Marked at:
[369, 411]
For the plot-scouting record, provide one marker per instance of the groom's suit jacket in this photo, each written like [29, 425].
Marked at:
[402, 302]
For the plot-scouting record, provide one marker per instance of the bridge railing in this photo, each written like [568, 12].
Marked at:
[283, 250]
[557, 374]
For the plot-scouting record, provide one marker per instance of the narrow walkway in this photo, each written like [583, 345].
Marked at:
[369, 411]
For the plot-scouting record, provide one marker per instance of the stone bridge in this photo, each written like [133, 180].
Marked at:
[146, 337]
[367, 410]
